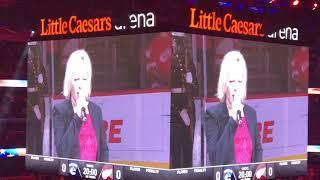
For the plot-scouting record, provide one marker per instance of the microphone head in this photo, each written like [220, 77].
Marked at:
[239, 112]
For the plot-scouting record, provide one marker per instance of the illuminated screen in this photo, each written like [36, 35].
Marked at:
[243, 102]
[256, 108]
[128, 109]
[270, 83]
[163, 100]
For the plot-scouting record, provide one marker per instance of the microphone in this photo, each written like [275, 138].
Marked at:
[83, 114]
[239, 117]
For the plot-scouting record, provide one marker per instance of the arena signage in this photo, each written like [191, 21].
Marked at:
[210, 21]
[287, 33]
[74, 25]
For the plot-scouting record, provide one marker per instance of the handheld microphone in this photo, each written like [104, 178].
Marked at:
[239, 117]
[83, 114]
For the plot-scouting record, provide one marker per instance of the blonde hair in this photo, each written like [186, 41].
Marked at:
[79, 60]
[229, 60]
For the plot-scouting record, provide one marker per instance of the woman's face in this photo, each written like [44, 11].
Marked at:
[235, 85]
[80, 85]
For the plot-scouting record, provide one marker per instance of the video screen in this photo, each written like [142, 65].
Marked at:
[257, 103]
[238, 102]
[167, 100]
[103, 99]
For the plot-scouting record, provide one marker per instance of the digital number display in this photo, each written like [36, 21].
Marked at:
[89, 171]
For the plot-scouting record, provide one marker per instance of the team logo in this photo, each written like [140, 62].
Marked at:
[107, 172]
[228, 174]
[73, 167]
[261, 172]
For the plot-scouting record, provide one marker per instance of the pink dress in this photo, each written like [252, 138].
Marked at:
[242, 143]
[88, 141]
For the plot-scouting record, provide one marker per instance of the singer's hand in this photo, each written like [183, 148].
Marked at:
[234, 104]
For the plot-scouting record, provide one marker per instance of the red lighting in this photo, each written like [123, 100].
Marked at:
[295, 2]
